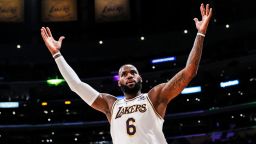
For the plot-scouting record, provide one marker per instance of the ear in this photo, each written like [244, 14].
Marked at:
[141, 79]
[119, 83]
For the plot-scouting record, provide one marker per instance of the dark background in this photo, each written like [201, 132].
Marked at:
[215, 115]
[161, 23]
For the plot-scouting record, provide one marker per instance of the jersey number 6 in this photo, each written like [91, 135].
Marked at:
[130, 127]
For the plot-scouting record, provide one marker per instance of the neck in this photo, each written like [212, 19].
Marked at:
[130, 96]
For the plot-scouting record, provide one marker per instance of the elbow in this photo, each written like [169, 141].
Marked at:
[72, 88]
[75, 86]
[191, 73]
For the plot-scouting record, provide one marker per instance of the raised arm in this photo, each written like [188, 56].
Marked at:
[52, 45]
[163, 93]
[98, 101]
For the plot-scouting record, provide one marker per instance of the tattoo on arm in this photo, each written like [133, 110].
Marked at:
[196, 52]
[178, 81]
[174, 86]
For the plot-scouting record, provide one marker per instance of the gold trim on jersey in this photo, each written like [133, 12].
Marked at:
[154, 108]
[112, 109]
[132, 98]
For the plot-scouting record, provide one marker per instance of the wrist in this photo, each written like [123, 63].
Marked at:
[200, 34]
[56, 55]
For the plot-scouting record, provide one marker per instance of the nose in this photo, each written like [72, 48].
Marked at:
[129, 76]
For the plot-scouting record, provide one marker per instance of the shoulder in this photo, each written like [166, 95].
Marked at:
[155, 93]
[156, 90]
[104, 103]
[108, 97]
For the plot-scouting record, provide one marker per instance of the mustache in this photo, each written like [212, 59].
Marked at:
[132, 90]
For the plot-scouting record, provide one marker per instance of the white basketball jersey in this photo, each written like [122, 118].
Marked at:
[135, 121]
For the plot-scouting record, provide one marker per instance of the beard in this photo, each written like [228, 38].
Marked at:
[132, 90]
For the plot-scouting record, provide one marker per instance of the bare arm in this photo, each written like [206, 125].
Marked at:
[174, 86]
[162, 94]
[104, 104]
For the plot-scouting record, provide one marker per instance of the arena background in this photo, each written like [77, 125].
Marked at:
[103, 35]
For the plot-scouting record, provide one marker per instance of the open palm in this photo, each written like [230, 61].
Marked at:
[53, 45]
[206, 13]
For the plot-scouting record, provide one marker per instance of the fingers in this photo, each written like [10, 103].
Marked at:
[46, 31]
[43, 33]
[210, 12]
[207, 9]
[61, 38]
[49, 31]
[196, 20]
[202, 9]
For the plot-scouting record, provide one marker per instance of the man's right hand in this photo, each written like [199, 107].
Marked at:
[53, 45]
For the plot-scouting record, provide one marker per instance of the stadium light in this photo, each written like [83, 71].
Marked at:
[44, 103]
[55, 82]
[120, 97]
[67, 102]
[229, 83]
[190, 90]
[161, 60]
[116, 77]
[9, 104]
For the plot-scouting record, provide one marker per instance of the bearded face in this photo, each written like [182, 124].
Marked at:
[130, 81]
[131, 88]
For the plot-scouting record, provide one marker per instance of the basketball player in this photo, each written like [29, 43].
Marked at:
[138, 118]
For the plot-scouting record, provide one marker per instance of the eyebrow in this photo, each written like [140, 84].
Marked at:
[131, 70]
